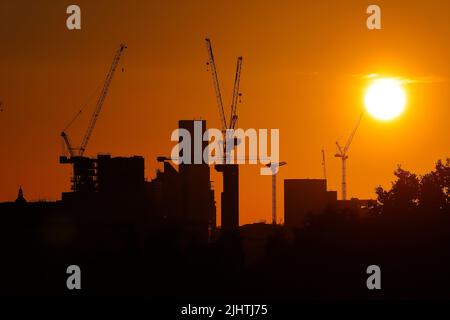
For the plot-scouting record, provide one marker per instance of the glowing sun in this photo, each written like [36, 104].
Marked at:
[385, 98]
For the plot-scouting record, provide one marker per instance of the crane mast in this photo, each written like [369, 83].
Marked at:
[102, 98]
[343, 154]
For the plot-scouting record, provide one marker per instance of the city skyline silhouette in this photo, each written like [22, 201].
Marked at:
[344, 189]
[291, 80]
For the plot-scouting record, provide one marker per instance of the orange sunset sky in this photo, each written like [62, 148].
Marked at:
[304, 72]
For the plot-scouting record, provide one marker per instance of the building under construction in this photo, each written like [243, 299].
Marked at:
[105, 175]
[182, 199]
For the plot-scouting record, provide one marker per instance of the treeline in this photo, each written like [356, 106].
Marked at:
[411, 193]
[406, 234]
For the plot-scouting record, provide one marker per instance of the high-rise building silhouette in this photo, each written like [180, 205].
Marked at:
[229, 196]
[185, 197]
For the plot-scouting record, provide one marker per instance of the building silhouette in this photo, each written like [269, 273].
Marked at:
[229, 196]
[303, 197]
[106, 178]
[185, 196]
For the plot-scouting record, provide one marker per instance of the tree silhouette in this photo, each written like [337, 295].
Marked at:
[435, 188]
[411, 193]
[404, 193]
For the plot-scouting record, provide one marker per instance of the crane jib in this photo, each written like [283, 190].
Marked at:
[102, 98]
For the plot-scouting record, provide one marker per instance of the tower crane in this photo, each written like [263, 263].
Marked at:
[98, 107]
[235, 96]
[230, 172]
[342, 152]
[84, 168]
